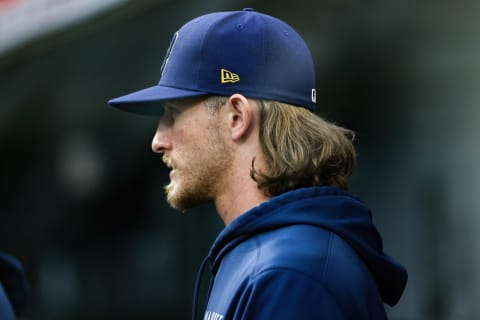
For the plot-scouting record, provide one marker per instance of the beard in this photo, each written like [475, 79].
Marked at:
[185, 195]
[198, 174]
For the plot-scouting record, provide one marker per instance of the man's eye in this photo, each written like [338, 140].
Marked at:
[170, 114]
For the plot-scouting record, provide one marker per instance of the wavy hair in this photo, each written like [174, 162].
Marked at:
[301, 149]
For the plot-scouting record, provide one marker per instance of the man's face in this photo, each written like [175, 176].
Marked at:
[190, 138]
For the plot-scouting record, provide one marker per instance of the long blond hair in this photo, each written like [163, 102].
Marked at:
[301, 149]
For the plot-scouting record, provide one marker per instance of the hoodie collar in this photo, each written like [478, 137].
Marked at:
[325, 207]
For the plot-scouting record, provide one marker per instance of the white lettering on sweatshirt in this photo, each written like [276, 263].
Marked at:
[210, 315]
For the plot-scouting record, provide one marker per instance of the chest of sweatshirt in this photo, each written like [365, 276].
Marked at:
[300, 248]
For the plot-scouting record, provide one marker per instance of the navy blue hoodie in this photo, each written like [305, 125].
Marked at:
[311, 253]
[13, 288]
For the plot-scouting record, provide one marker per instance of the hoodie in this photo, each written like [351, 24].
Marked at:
[13, 288]
[310, 253]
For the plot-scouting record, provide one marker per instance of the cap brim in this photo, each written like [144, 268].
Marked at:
[149, 101]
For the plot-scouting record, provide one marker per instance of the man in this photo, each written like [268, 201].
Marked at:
[237, 94]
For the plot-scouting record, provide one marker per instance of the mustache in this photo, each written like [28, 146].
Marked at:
[167, 161]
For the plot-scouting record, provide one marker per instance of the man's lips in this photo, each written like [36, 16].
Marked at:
[170, 165]
[167, 161]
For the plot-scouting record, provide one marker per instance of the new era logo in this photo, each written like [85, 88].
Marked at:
[228, 76]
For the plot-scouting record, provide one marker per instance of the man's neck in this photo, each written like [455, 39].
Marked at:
[240, 194]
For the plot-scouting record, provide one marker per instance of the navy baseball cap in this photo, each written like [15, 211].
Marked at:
[222, 53]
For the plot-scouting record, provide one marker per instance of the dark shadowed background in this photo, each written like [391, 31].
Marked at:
[81, 194]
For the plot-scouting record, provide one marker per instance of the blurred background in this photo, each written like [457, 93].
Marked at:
[81, 194]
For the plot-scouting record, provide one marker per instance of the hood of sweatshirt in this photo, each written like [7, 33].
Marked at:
[14, 282]
[325, 207]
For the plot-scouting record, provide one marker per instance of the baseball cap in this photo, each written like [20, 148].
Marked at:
[222, 53]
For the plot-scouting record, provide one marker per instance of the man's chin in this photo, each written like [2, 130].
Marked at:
[183, 204]
[181, 200]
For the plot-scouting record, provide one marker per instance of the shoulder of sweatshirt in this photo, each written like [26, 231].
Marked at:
[319, 254]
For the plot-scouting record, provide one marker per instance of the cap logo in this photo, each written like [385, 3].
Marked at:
[228, 76]
[169, 52]
[314, 96]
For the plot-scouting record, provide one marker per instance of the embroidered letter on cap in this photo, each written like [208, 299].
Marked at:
[169, 52]
[228, 76]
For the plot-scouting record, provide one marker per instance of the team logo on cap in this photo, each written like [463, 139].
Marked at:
[169, 52]
[228, 76]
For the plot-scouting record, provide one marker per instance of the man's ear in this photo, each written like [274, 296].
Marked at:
[241, 116]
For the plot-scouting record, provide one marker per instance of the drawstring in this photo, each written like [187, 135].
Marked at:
[197, 287]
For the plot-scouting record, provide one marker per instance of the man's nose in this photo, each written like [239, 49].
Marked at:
[161, 141]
